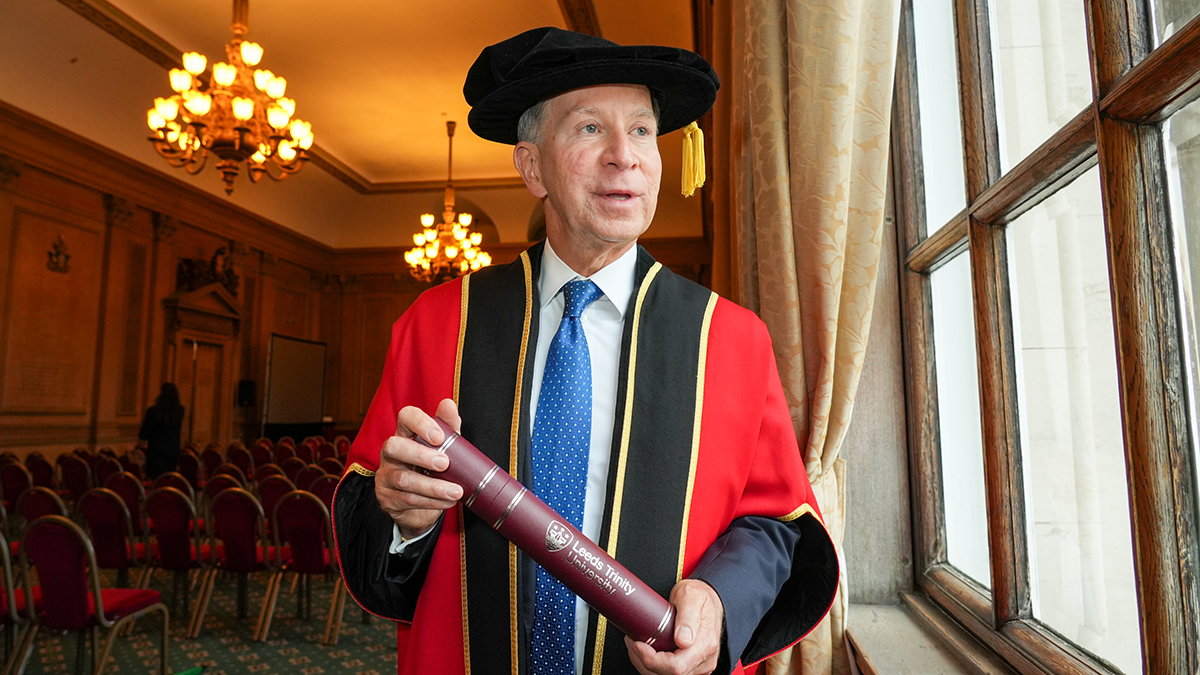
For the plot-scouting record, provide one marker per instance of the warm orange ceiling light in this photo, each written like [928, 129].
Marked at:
[450, 249]
[241, 116]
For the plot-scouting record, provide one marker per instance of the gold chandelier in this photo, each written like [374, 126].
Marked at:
[241, 115]
[449, 249]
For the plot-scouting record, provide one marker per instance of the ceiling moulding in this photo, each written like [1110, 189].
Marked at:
[580, 16]
[334, 167]
[125, 28]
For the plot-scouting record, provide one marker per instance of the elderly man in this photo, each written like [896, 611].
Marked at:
[642, 407]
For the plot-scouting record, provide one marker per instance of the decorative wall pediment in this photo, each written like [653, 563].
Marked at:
[209, 309]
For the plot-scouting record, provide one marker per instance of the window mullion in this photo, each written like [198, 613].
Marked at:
[1001, 431]
[975, 75]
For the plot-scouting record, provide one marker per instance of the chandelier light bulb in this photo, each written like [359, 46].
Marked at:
[419, 239]
[262, 77]
[172, 132]
[252, 53]
[243, 108]
[277, 117]
[307, 141]
[181, 80]
[427, 222]
[276, 87]
[430, 235]
[465, 219]
[287, 104]
[168, 108]
[460, 234]
[224, 73]
[199, 104]
[470, 254]
[431, 250]
[258, 157]
[451, 251]
[476, 238]
[300, 129]
[194, 62]
[286, 151]
[155, 120]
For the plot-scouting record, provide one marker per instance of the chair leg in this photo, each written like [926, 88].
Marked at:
[337, 607]
[164, 648]
[19, 657]
[80, 650]
[197, 621]
[263, 626]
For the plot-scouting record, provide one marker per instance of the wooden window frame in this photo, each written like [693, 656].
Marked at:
[1134, 89]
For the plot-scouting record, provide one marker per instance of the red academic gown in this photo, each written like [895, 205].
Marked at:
[705, 479]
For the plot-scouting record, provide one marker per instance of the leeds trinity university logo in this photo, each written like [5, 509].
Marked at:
[557, 536]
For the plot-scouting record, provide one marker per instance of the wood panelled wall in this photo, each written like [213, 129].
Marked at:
[84, 351]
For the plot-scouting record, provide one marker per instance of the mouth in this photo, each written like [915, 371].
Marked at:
[619, 196]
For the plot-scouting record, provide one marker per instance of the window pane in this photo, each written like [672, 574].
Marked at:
[1077, 498]
[1182, 132]
[1170, 16]
[1042, 77]
[958, 419]
[941, 125]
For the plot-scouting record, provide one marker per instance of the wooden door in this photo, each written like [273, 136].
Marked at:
[199, 373]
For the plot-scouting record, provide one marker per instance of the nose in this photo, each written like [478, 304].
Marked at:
[619, 152]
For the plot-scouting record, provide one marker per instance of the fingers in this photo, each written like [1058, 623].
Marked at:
[698, 612]
[403, 484]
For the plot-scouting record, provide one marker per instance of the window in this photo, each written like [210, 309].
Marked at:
[1052, 329]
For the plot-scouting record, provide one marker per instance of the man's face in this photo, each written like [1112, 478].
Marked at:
[597, 168]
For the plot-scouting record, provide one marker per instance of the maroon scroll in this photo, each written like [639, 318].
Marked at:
[585, 568]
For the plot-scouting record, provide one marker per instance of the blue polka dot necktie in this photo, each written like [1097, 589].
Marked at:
[562, 431]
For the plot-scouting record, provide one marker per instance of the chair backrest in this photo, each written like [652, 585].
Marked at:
[306, 476]
[288, 441]
[218, 484]
[231, 470]
[342, 445]
[8, 608]
[107, 451]
[211, 458]
[189, 468]
[302, 521]
[129, 464]
[332, 465]
[129, 488]
[325, 450]
[262, 454]
[239, 523]
[105, 466]
[81, 452]
[292, 466]
[324, 488]
[177, 481]
[304, 451]
[283, 453]
[60, 550]
[41, 469]
[15, 479]
[171, 515]
[109, 525]
[242, 459]
[9, 457]
[74, 476]
[38, 501]
[271, 489]
[93, 462]
[268, 469]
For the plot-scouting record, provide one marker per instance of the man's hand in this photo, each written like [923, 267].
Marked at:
[698, 619]
[403, 486]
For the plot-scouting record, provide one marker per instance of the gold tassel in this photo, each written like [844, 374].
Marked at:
[693, 159]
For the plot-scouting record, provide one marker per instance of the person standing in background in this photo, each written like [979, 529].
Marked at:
[160, 431]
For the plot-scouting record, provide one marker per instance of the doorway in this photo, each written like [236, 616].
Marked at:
[199, 374]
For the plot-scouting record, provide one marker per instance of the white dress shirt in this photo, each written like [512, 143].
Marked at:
[603, 324]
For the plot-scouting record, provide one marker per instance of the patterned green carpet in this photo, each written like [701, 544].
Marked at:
[225, 646]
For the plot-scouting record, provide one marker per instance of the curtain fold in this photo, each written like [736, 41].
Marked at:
[808, 150]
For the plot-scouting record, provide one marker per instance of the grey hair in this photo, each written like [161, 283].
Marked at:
[529, 126]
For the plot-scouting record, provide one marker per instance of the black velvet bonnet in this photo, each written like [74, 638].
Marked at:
[511, 76]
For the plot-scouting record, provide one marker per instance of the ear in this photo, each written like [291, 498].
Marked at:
[527, 159]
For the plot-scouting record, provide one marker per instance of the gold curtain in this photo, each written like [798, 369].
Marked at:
[807, 161]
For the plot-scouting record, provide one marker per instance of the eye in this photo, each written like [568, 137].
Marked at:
[642, 131]
[590, 129]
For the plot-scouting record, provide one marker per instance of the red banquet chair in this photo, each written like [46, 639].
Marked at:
[38, 501]
[177, 481]
[242, 459]
[264, 470]
[282, 453]
[292, 466]
[301, 522]
[324, 451]
[306, 476]
[41, 469]
[60, 550]
[270, 490]
[15, 479]
[14, 613]
[191, 469]
[230, 470]
[211, 458]
[129, 487]
[324, 487]
[341, 444]
[74, 476]
[111, 529]
[261, 452]
[172, 518]
[306, 450]
[332, 465]
[239, 524]
[105, 466]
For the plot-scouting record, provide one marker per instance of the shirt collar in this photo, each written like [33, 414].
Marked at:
[615, 279]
